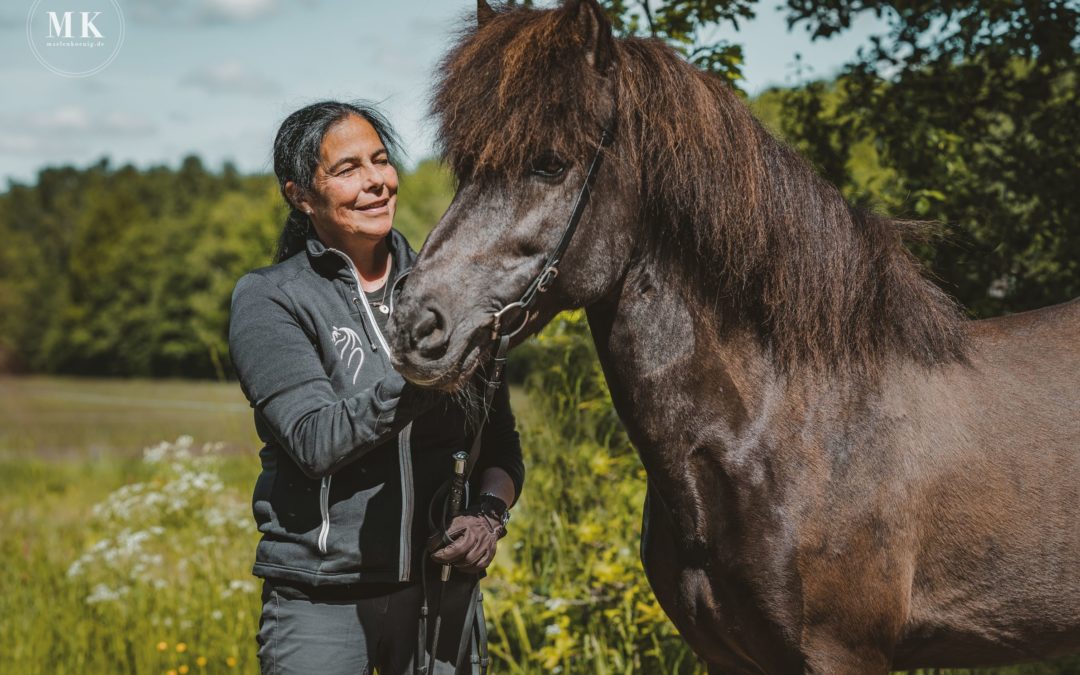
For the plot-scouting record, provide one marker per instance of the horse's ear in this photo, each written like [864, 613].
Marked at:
[484, 13]
[595, 29]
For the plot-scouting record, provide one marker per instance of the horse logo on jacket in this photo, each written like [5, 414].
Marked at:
[347, 340]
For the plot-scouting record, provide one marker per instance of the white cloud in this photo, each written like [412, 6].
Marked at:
[68, 118]
[238, 10]
[231, 78]
[211, 11]
[75, 120]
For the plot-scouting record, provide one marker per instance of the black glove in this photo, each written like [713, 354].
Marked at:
[472, 536]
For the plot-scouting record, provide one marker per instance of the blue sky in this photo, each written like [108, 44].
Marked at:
[216, 77]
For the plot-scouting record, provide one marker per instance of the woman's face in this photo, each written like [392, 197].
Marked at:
[355, 186]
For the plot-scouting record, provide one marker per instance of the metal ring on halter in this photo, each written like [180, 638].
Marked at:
[546, 279]
[497, 323]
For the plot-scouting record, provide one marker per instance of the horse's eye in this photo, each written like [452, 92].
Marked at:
[547, 165]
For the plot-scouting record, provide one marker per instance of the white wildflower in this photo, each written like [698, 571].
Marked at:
[102, 593]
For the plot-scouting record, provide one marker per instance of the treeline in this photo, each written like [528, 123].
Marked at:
[120, 271]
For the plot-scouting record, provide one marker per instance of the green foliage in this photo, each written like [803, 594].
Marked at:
[971, 110]
[423, 196]
[689, 26]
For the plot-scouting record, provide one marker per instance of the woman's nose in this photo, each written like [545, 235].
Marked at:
[373, 181]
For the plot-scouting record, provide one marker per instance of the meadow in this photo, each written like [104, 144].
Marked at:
[128, 541]
[128, 538]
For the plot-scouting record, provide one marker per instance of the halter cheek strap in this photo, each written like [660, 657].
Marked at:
[548, 273]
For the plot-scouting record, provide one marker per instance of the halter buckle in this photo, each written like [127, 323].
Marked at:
[547, 277]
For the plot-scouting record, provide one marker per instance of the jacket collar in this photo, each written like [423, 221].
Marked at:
[402, 253]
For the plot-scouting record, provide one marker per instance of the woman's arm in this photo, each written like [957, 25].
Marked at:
[284, 379]
[501, 467]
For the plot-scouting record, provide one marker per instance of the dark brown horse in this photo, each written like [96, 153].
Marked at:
[845, 476]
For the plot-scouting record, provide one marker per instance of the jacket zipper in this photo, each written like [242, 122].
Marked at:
[324, 509]
[404, 447]
[405, 461]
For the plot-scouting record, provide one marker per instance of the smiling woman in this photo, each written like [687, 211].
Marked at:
[352, 204]
[355, 460]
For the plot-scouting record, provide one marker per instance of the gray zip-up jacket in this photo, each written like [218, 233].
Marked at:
[352, 452]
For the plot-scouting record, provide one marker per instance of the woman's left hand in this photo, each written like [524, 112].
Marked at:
[475, 537]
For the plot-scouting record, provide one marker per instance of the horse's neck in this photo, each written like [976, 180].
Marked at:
[713, 418]
[676, 385]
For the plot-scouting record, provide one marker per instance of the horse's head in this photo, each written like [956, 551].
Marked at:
[522, 103]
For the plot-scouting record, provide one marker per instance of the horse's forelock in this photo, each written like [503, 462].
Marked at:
[517, 86]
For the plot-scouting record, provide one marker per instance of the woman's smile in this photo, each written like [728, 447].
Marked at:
[378, 207]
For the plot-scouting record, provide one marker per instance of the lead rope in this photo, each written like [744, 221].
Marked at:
[474, 453]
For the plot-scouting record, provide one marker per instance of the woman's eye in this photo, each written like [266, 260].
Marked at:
[548, 165]
[346, 171]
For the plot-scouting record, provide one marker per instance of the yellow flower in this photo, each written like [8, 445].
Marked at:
[181, 647]
[589, 532]
[171, 672]
[608, 573]
[201, 662]
[600, 463]
[162, 646]
[183, 670]
[230, 661]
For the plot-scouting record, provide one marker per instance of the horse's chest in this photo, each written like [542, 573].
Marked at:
[710, 598]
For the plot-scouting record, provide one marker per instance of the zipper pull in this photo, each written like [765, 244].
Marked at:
[374, 347]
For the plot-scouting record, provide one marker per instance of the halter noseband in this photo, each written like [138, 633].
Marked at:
[542, 282]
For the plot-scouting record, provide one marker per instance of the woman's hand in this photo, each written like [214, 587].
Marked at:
[474, 535]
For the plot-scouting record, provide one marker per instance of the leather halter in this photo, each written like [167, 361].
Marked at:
[542, 282]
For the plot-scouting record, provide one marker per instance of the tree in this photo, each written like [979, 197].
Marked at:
[972, 107]
[690, 27]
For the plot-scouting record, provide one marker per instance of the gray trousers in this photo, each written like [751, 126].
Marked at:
[360, 636]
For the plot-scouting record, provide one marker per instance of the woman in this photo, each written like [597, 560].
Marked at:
[353, 454]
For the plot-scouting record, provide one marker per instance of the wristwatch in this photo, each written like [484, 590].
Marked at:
[492, 506]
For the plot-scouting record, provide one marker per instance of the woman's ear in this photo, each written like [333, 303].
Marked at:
[298, 197]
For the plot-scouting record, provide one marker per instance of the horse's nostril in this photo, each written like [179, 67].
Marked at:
[429, 332]
[430, 322]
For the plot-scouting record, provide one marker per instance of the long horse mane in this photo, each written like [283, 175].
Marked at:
[754, 228]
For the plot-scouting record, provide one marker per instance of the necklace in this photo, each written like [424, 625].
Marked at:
[381, 302]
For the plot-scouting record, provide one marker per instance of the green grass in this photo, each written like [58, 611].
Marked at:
[70, 417]
[116, 560]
